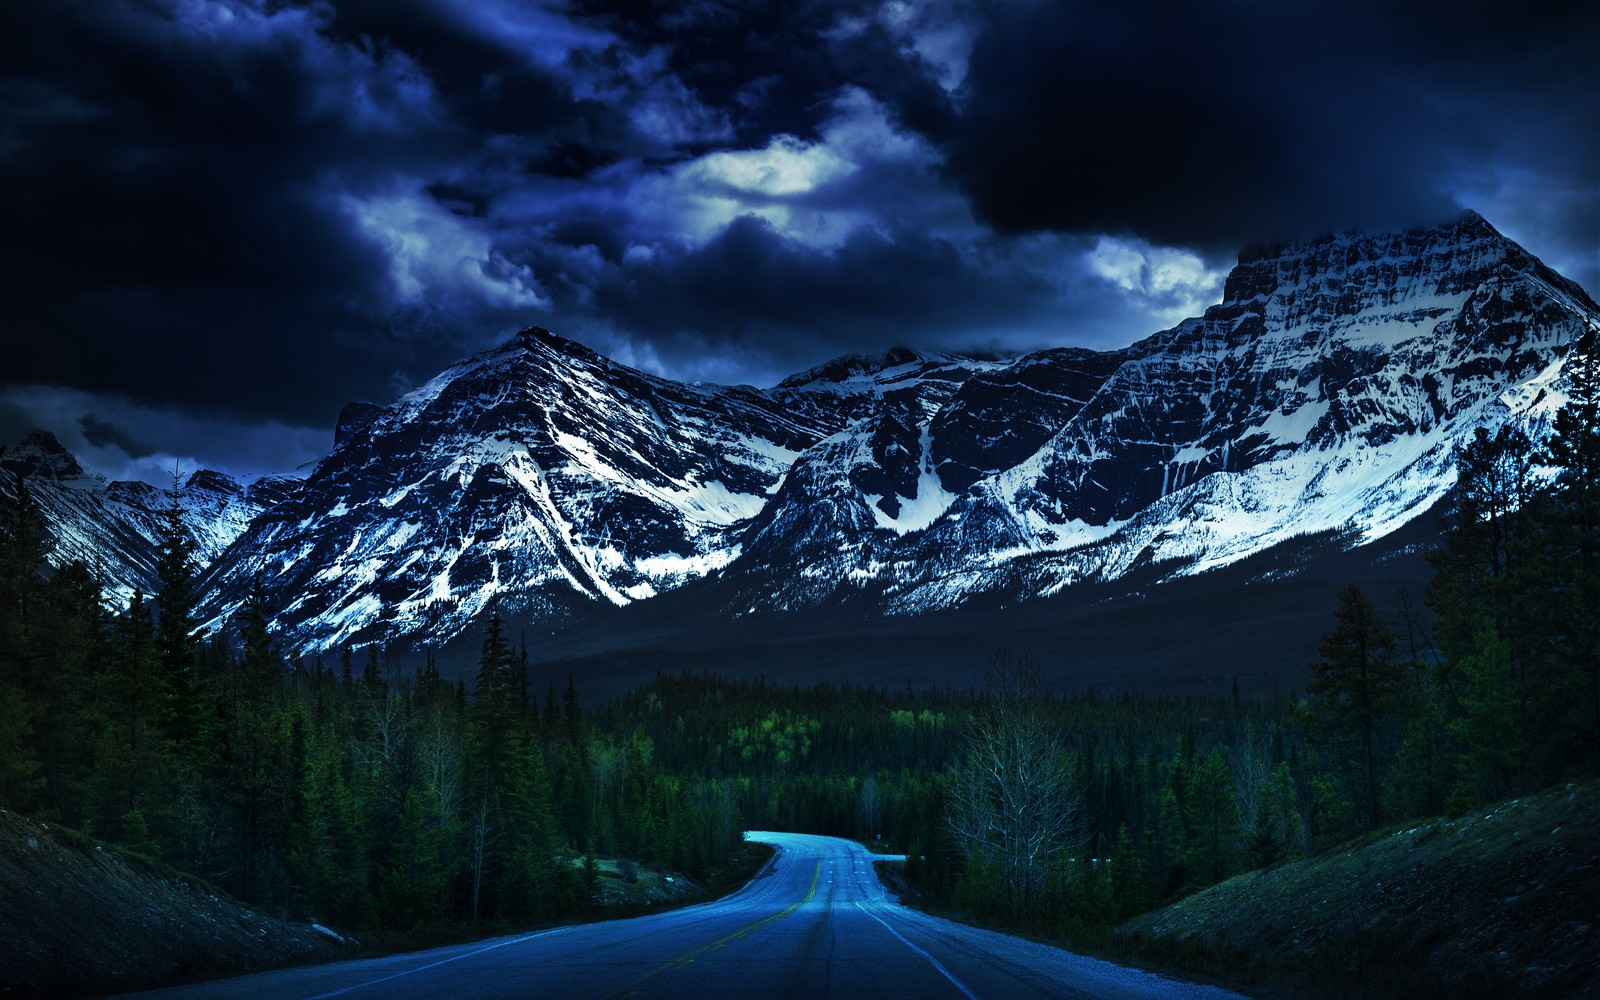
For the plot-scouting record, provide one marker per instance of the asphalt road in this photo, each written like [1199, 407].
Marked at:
[814, 924]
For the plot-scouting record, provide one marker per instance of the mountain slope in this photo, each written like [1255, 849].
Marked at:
[115, 528]
[543, 476]
[1325, 396]
[1328, 392]
[1498, 902]
[85, 919]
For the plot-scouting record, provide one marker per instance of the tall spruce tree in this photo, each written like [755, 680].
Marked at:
[1213, 816]
[255, 760]
[23, 547]
[1574, 450]
[495, 700]
[1357, 691]
[177, 647]
[1478, 572]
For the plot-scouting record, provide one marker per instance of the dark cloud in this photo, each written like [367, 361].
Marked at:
[1220, 124]
[100, 434]
[15, 423]
[171, 228]
[225, 218]
[773, 305]
[750, 280]
[775, 65]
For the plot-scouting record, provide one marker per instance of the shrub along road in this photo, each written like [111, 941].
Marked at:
[815, 923]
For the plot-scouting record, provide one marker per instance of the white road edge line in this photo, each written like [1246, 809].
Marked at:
[433, 965]
[931, 960]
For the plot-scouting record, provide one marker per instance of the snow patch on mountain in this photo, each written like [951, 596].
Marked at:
[926, 504]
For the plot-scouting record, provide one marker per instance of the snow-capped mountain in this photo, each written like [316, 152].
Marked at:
[1328, 392]
[115, 528]
[543, 475]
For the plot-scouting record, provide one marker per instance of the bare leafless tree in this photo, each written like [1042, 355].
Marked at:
[870, 805]
[1252, 773]
[1014, 801]
[480, 840]
[442, 761]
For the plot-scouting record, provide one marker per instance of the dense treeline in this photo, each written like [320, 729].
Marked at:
[373, 793]
[1153, 797]
[1501, 696]
[367, 795]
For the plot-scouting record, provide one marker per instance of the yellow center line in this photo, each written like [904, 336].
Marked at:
[685, 959]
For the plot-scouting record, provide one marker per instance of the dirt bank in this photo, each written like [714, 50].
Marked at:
[78, 917]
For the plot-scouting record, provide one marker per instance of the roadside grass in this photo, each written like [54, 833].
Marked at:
[80, 917]
[1503, 901]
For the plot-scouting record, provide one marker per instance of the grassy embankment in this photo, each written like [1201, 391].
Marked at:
[1503, 901]
[79, 917]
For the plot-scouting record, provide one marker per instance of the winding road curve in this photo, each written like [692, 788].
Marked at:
[816, 923]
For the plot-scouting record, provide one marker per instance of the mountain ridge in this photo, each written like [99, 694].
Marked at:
[115, 528]
[1326, 396]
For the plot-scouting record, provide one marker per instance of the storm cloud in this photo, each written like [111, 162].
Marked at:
[223, 219]
[1221, 124]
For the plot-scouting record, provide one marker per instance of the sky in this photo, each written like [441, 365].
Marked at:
[221, 220]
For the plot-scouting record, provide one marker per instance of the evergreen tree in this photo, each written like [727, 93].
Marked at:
[1477, 579]
[1574, 450]
[411, 881]
[1213, 814]
[1493, 742]
[528, 883]
[1130, 877]
[20, 780]
[494, 710]
[130, 742]
[372, 672]
[254, 758]
[574, 772]
[1358, 690]
[24, 544]
[175, 627]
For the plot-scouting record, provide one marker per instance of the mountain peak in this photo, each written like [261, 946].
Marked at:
[1469, 226]
[900, 356]
[533, 337]
[536, 339]
[213, 481]
[353, 419]
[1446, 258]
[42, 455]
[839, 369]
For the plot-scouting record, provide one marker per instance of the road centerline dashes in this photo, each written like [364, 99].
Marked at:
[688, 958]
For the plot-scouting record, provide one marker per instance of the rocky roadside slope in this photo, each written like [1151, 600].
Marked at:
[78, 917]
[1504, 901]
